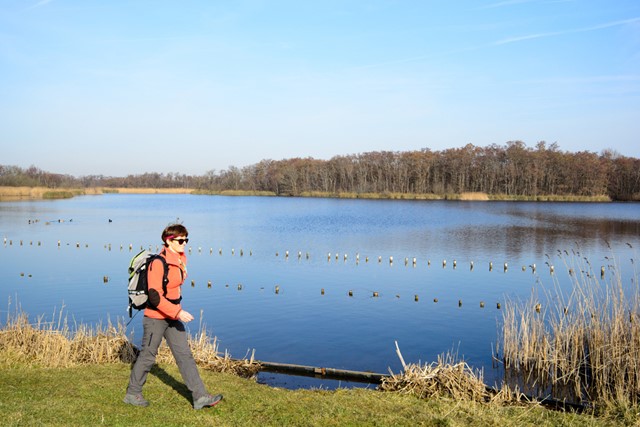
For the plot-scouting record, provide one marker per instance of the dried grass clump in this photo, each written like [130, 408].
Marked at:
[443, 378]
[53, 344]
[438, 379]
[108, 345]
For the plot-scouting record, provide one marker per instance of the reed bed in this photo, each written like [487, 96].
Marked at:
[125, 190]
[474, 196]
[53, 344]
[56, 344]
[365, 195]
[32, 193]
[584, 344]
[599, 198]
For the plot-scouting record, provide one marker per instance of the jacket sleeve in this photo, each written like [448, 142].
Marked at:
[156, 292]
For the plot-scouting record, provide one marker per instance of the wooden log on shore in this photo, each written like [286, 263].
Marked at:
[319, 372]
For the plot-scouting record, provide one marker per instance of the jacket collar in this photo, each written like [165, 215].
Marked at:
[173, 257]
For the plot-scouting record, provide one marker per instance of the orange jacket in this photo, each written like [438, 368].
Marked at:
[165, 309]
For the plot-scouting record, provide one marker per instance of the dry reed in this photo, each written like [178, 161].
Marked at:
[124, 190]
[585, 346]
[438, 379]
[448, 377]
[474, 196]
[56, 344]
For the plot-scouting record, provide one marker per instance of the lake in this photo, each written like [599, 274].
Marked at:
[347, 283]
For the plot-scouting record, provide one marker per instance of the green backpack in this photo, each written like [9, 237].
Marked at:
[138, 285]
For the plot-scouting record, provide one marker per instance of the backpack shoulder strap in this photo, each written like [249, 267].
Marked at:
[165, 276]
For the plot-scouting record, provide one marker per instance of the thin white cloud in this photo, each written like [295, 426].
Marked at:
[418, 58]
[497, 43]
[633, 79]
[516, 2]
[39, 4]
[505, 3]
[573, 31]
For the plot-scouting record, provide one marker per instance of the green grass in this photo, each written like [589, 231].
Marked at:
[92, 395]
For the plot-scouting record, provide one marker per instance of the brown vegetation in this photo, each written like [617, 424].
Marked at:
[52, 344]
[140, 190]
[510, 172]
[446, 377]
[450, 378]
[33, 193]
[474, 196]
[30, 193]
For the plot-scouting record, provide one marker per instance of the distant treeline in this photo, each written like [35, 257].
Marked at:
[511, 170]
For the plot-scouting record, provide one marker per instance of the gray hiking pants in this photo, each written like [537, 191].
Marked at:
[173, 331]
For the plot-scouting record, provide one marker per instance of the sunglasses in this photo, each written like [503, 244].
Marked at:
[181, 241]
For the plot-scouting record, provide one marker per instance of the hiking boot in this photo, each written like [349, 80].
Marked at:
[207, 400]
[135, 400]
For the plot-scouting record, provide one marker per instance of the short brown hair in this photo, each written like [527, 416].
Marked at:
[174, 230]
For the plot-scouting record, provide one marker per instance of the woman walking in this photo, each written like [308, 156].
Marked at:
[164, 317]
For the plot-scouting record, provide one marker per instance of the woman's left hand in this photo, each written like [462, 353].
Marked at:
[185, 316]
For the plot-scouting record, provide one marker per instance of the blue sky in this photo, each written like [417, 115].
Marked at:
[126, 87]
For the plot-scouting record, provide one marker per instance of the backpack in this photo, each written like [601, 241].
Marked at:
[138, 286]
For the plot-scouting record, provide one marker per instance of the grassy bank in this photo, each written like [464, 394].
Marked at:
[52, 374]
[92, 395]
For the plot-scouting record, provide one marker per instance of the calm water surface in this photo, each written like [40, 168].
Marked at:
[339, 246]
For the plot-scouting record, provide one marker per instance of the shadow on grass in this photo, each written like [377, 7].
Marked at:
[164, 376]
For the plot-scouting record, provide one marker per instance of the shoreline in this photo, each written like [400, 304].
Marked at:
[43, 193]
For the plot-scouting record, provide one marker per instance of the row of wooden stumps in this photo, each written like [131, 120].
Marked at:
[375, 294]
[329, 256]
[307, 256]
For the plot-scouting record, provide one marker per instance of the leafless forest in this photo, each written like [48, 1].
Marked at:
[512, 169]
